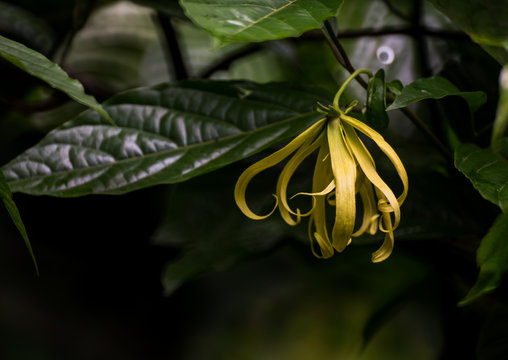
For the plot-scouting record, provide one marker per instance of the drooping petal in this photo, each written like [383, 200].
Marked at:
[344, 173]
[370, 214]
[365, 161]
[317, 222]
[308, 147]
[385, 148]
[269, 161]
[385, 224]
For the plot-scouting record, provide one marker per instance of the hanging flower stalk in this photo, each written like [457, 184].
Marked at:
[344, 169]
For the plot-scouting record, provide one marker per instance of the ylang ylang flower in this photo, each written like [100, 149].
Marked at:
[344, 170]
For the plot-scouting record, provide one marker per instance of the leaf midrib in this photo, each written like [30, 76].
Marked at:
[184, 149]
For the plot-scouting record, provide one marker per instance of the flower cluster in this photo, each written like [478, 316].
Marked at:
[344, 169]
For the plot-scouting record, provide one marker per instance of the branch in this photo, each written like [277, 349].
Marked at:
[224, 63]
[344, 61]
[173, 51]
[340, 53]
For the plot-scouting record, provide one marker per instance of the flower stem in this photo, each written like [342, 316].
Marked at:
[344, 61]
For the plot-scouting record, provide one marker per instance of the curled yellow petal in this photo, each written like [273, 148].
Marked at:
[308, 147]
[269, 161]
[344, 173]
[370, 214]
[385, 148]
[366, 164]
[385, 224]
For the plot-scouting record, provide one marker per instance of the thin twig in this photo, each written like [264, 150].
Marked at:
[403, 30]
[178, 68]
[81, 12]
[224, 63]
[344, 61]
[340, 53]
[420, 124]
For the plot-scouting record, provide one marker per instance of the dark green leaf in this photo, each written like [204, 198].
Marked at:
[492, 258]
[376, 116]
[484, 21]
[165, 134]
[259, 20]
[487, 169]
[395, 87]
[435, 87]
[12, 209]
[41, 67]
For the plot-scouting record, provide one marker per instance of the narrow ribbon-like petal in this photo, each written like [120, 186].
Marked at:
[269, 161]
[369, 169]
[386, 149]
[344, 172]
[385, 224]
[322, 176]
[308, 147]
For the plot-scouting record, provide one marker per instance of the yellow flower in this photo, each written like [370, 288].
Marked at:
[344, 169]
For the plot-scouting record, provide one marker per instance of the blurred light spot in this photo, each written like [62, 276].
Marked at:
[385, 54]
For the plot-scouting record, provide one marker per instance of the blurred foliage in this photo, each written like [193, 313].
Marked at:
[175, 270]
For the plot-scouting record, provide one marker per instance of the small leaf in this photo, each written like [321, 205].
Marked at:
[165, 134]
[12, 209]
[395, 87]
[492, 258]
[259, 20]
[41, 67]
[487, 169]
[376, 116]
[501, 122]
[435, 87]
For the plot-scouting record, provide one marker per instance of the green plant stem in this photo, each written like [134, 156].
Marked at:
[344, 61]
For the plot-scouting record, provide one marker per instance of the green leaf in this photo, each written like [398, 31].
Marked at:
[487, 169]
[501, 123]
[435, 87]
[41, 67]
[12, 209]
[376, 116]
[492, 258]
[259, 20]
[395, 87]
[166, 134]
[483, 20]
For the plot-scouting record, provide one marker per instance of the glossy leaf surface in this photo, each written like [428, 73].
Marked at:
[41, 67]
[259, 20]
[435, 87]
[487, 169]
[376, 116]
[165, 134]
